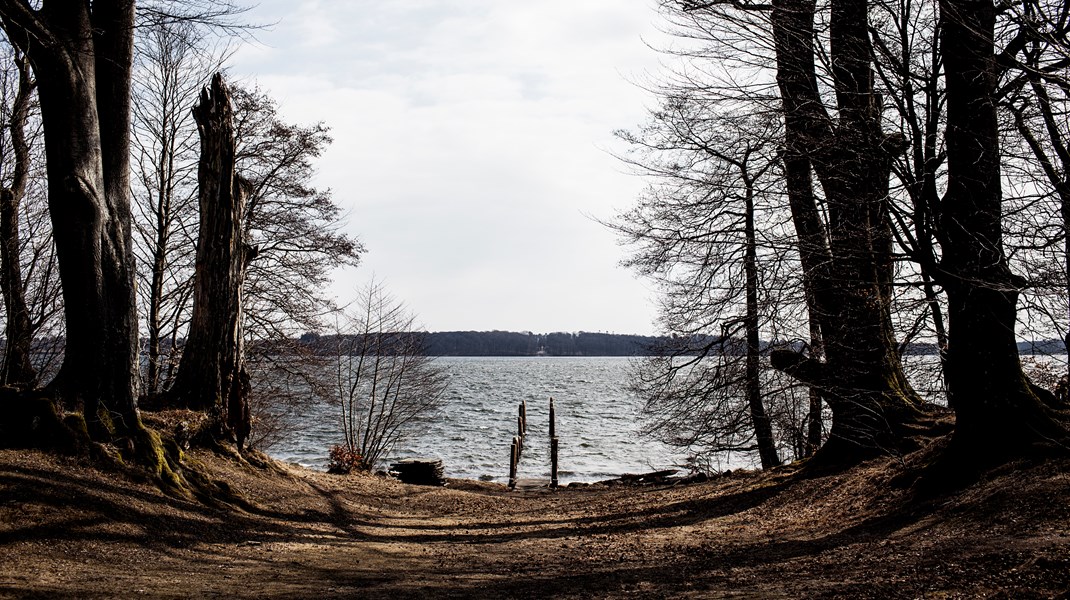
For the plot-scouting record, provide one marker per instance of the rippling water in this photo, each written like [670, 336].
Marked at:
[597, 422]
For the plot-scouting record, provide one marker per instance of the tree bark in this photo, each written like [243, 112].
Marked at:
[861, 378]
[152, 378]
[212, 375]
[815, 425]
[998, 411]
[763, 427]
[17, 368]
[81, 54]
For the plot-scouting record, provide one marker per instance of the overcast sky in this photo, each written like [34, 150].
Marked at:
[471, 148]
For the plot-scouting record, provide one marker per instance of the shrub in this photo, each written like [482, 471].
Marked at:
[344, 460]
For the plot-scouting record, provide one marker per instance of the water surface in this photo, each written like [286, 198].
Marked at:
[597, 421]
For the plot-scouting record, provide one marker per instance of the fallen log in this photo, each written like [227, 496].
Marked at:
[651, 478]
[419, 471]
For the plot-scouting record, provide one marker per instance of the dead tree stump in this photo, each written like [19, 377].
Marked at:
[212, 375]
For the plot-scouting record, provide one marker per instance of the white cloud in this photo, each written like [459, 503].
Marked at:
[467, 148]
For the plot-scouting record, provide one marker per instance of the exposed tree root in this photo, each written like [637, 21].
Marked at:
[154, 450]
[950, 465]
[915, 431]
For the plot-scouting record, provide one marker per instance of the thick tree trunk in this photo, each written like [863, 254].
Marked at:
[998, 411]
[861, 378]
[17, 368]
[212, 374]
[113, 41]
[81, 54]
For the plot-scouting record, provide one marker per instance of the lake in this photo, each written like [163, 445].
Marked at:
[597, 422]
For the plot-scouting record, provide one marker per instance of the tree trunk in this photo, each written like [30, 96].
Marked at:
[998, 411]
[763, 428]
[814, 257]
[815, 425]
[861, 379]
[17, 368]
[113, 40]
[83, 74]
[154, 320]
[212, 376]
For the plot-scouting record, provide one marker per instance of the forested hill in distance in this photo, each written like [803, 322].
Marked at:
[508, 343]
[511, 343]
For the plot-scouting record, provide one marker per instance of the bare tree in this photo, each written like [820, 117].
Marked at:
[297, 227]
[384, 383]
[1003, 412]
[173, 61]
[15, 157]
[81, 54]
[695, 233]
[298, 231]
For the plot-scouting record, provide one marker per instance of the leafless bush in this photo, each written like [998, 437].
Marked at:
[384, 383]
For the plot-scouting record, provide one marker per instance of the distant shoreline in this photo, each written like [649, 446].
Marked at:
[593, 344]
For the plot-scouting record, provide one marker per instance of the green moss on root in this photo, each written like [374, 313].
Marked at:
[152, 453]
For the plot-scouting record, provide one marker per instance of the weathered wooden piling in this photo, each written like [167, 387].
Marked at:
[553, 462]
[552, 432]
[517, 448]
[514, 458]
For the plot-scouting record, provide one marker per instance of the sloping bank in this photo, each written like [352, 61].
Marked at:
[70, 529]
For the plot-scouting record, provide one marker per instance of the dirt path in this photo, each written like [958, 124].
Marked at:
[67, 530]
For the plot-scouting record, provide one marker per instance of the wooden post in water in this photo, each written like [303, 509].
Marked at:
[553, 434]
[514, 458]
[520, 431]
[553, 462]
[553, 446]
[524, 414]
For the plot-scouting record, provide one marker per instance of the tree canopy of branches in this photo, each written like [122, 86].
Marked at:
[295, 227]
[891, 160]
[695, 233]
[173, 61]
